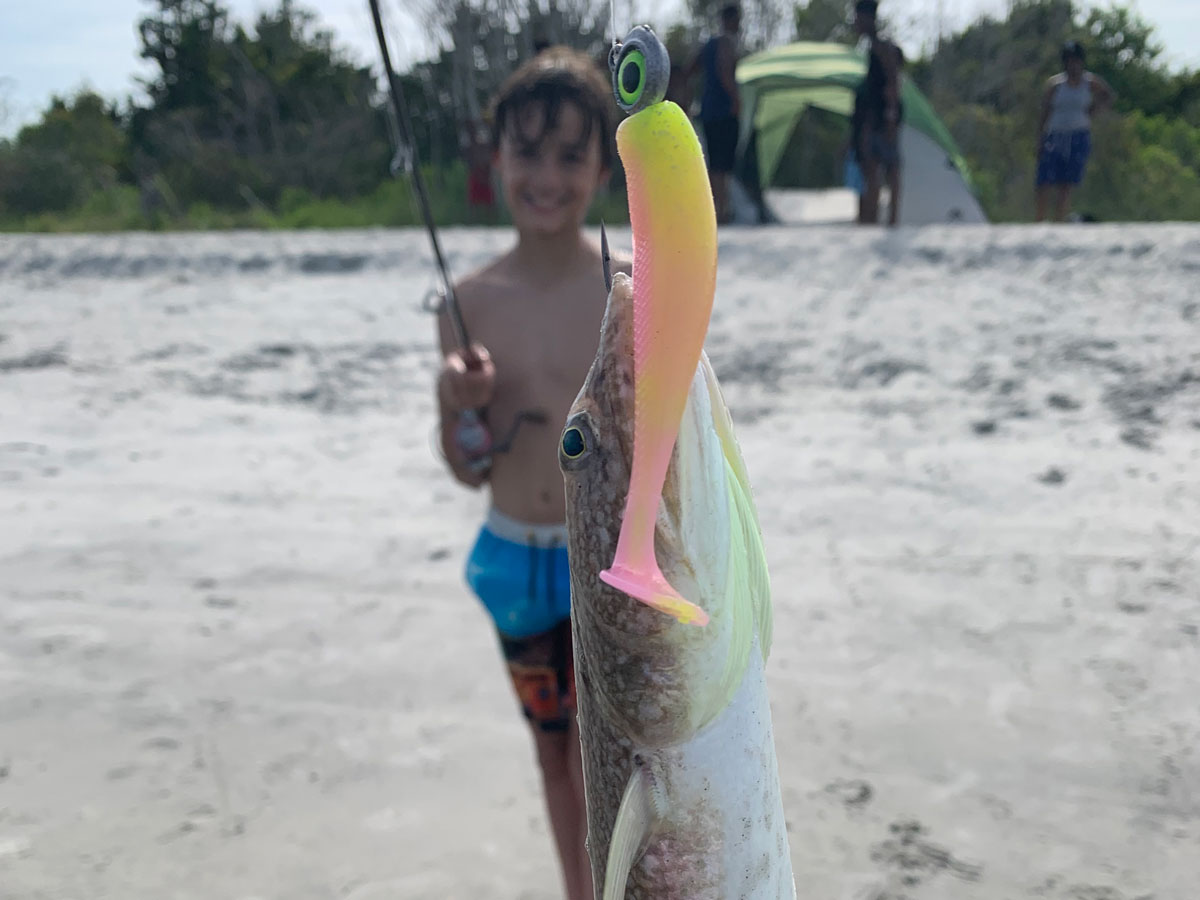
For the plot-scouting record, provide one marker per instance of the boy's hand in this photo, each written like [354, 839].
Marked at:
[468, 378]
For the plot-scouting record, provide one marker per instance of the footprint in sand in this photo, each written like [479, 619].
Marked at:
[1123, 681]
[37, 359]
[910, 859]
[854, 792]
[1063, 401]
[1053, 476]
[1142, 438]
[1094, 892]
[161, 743]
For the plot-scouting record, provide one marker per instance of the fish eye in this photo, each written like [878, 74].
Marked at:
[574, 444]
[578, 443]
[641, 70]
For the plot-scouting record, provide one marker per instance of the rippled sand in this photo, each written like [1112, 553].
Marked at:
[237, 659]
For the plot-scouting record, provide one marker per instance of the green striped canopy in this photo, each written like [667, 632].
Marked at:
[777, 85]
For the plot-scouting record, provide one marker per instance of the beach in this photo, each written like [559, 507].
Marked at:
[238, 658]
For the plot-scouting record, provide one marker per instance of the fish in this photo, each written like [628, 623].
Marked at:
[670, 593]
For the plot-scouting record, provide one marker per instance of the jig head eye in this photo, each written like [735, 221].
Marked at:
[641, 70]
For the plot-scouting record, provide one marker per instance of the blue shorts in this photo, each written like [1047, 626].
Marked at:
[521, 574]
[1063, 157]
[852, 175]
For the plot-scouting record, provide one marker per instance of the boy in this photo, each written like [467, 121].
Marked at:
[535, 312]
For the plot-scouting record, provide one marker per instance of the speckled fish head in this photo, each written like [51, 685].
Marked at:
[651, 666]
[596, 450]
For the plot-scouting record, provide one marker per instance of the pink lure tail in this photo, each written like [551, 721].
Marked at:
[674, 278]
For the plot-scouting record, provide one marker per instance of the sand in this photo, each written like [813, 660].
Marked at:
[237, 658]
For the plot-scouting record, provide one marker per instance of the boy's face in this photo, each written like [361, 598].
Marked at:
[549, 183]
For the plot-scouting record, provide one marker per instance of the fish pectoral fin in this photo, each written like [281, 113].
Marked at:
[636, 819]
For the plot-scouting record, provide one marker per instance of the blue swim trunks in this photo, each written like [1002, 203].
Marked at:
[520, 573]
[1063, 157]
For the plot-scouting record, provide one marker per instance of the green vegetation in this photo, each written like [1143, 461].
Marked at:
[275, 127]
[987, 83]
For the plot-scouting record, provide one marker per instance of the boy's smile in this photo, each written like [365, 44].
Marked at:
[549, 175]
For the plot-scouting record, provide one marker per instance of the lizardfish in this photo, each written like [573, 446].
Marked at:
[670, 594]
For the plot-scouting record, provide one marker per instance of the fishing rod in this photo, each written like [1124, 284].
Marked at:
[471, 433]
[412, 163]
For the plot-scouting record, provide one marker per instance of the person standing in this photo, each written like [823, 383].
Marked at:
[875, 125]
[535, 312]
[1065, 129]
[720, 106]
[477, 152]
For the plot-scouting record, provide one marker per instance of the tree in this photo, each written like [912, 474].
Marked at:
[823, 20]
[486, 40]
[987, 83]
[5, 108]
[78, 147]
[1121, 47]
[237, 116]
[764, 22]
[187, 40]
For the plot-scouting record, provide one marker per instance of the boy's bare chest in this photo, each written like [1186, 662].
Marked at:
[542, 360]
[546, 363]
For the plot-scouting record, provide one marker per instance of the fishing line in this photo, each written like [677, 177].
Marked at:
[408, 159]
[471, 433]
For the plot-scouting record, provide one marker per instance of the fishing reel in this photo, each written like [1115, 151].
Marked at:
[474, 440]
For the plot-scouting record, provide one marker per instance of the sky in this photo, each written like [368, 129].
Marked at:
[58, 46]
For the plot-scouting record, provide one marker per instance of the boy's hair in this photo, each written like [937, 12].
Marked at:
[867, 7]
[556, 76]
[730, 11]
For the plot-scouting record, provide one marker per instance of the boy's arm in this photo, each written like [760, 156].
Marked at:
[450, 405]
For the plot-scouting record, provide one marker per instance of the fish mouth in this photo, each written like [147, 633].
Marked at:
[608, 391]
[596, 452]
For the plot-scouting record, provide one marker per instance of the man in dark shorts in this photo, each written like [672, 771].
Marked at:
[720, 105]
[875, 126]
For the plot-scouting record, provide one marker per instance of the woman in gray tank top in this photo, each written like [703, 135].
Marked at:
[1065, 129]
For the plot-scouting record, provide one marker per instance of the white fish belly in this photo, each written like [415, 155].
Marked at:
[726, 781]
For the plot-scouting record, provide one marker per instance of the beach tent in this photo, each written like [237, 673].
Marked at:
[779, 84]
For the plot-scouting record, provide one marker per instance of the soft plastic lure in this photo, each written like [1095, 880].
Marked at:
[674, 277]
